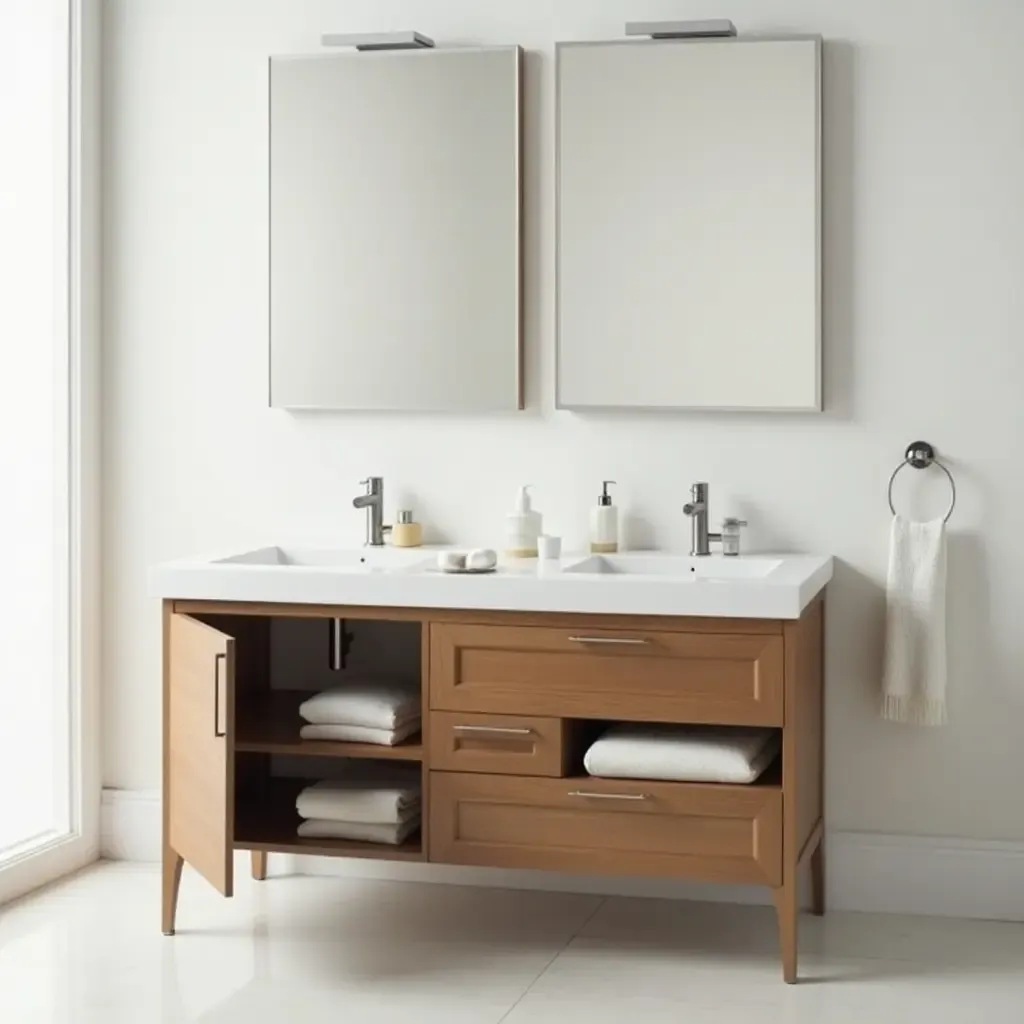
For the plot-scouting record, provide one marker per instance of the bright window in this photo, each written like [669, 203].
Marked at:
[35, 690]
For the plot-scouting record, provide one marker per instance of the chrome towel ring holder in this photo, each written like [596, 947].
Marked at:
[921, 455]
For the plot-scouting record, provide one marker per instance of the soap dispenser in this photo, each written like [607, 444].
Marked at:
[604, 523]
[406, 533]
[523, 527]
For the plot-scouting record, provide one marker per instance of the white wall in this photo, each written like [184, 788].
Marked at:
[924, 264]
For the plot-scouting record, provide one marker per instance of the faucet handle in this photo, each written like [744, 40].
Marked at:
[731, 535]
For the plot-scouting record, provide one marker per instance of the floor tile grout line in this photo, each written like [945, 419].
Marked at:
[544, 970]
[590, 917]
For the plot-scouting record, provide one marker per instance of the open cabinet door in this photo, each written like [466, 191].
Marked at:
[199, 741]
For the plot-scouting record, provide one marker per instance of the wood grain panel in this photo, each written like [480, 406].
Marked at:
[803, 739]
[252, 652]
[712, 833]
[802, 775]
[298, 611]
[171, 863]
[498, 744]
[200, 762]
[425, 738]
[727, 679]
[561, 620]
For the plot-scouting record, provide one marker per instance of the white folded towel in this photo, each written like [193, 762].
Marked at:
[361, 734]
[373, 704]
[682, 753]
[327, 812]
[379, 798]
[363, 832]
[914, 683]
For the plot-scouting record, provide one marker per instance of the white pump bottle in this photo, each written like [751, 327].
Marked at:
[523, 527]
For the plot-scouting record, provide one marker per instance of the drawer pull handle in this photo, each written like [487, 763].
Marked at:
[495, 729]
[608, 796]
[631, 641]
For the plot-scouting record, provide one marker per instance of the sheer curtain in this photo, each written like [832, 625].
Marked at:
[42, 745]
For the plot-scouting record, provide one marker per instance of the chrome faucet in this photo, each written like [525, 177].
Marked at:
[697, 510]
[700, 539]
[373, 502]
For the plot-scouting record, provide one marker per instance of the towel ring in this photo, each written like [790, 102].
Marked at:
[921, 455]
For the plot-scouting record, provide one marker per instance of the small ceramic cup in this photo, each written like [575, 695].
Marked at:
[549, 547]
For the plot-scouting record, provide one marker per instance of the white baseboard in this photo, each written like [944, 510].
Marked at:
[130, 825]
[866, 871]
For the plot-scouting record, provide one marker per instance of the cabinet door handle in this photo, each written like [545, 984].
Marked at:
[631, 641]
[608, 796]
[217, 662]
[493, 729]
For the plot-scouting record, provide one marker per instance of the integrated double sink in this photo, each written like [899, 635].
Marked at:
[648, 583]
[412, 560]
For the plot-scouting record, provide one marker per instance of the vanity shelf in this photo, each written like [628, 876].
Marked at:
[270, 723]
[266, 821]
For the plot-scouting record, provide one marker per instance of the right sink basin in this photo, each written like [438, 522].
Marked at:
[713, 567]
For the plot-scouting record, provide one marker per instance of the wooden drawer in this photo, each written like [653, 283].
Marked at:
[499, 744]
[636, 675]
[707, 832]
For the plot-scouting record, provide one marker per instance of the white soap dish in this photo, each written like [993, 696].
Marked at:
[468, 563]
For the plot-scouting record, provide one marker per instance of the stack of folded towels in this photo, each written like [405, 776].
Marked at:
[683, 753]
[371, 802]
[366, 711]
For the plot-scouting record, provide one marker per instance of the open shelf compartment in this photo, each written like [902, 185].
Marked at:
[587, 732]
[269, 723]
[266, 820]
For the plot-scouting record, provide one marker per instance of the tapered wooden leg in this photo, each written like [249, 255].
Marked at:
[787, 901]
[259, 865]
[172, 865]
[818, 880]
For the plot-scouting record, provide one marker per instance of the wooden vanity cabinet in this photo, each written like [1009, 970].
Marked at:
[510, 703]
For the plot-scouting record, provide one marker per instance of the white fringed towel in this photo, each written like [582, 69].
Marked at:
[363, 832]
[377, 795]
[682, 753]
[914, 682]
[370, 703]
[361, 734]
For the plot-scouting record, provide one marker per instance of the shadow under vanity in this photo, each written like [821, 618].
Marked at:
[513, 793]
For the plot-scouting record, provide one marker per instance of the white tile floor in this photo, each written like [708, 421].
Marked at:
[319, 950]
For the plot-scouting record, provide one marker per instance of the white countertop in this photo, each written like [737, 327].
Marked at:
[751, 586]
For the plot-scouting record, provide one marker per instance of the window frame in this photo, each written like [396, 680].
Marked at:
[60, 852]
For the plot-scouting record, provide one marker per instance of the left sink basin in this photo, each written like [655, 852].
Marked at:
[337, 559]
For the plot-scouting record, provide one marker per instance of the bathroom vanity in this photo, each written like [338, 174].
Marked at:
[520, 671]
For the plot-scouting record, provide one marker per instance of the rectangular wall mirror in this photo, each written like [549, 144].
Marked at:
[689, 224]
[395, 230]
